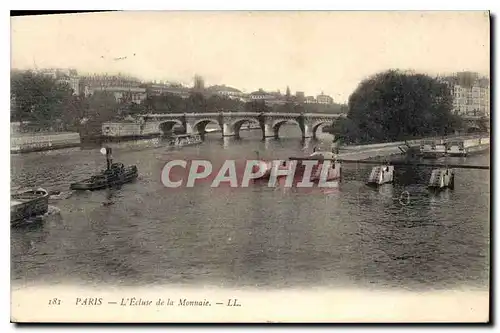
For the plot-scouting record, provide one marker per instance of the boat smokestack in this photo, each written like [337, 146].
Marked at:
[109, 159]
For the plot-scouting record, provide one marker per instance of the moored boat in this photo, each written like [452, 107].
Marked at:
[317, 173]
[469, 146]
[433, 149]
[334, 167]
[456, 148]
[182, 140]
[28, 204]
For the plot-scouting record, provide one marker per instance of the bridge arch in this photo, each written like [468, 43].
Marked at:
[167, 126]
[278, 123]
[200, 125]
[319, 126]
[238, 124]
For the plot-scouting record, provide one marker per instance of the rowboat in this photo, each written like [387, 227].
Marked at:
[28, 204]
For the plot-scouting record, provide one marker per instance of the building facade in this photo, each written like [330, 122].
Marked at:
[471, 100]
[66, 76]
[271, 98]
[324, 99]
[260, 95]
[124, 88]
[471, 93]
[157, 89]
[225, 91]
[300, 96]
[310, 99]
[72, 82]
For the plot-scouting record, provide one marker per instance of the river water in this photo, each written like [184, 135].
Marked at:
[397, 236]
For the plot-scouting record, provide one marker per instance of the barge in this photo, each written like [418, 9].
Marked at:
[466, 147]
[453, 147]
[28, 204]
[182, 140]
[317, 172]
[433, 148]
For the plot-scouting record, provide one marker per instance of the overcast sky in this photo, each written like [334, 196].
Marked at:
[308, 51]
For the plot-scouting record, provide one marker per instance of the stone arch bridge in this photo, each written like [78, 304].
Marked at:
[230, 123]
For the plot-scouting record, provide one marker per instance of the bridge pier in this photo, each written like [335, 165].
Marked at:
[228, 130]
[189, 128]
[307, 131]
[268, 131]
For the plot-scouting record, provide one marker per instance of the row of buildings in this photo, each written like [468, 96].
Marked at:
[133, 89]
[471, 93]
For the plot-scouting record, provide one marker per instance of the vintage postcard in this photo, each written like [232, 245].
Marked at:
[250, 166]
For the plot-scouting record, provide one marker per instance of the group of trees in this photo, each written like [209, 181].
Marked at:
[391, 105]
[198, 103]
[38, 99]
[44, 103]
[195, 102]
[394, 105]
[40, 102]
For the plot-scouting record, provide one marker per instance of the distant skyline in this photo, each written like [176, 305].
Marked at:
[307, 51]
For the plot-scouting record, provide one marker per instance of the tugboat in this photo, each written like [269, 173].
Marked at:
[28, 204]
[115, 174]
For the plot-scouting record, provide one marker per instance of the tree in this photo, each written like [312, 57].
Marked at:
[483, 124]
[96, 109]
[394, 105]
[73, 111]
[165, 103]
[257, 106]
[217, 103]
[196, 103]
[135, 109]
[102, 106]
[38, 98]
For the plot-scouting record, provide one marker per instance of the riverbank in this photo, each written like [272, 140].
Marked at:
[380, 150]
[33, 142]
